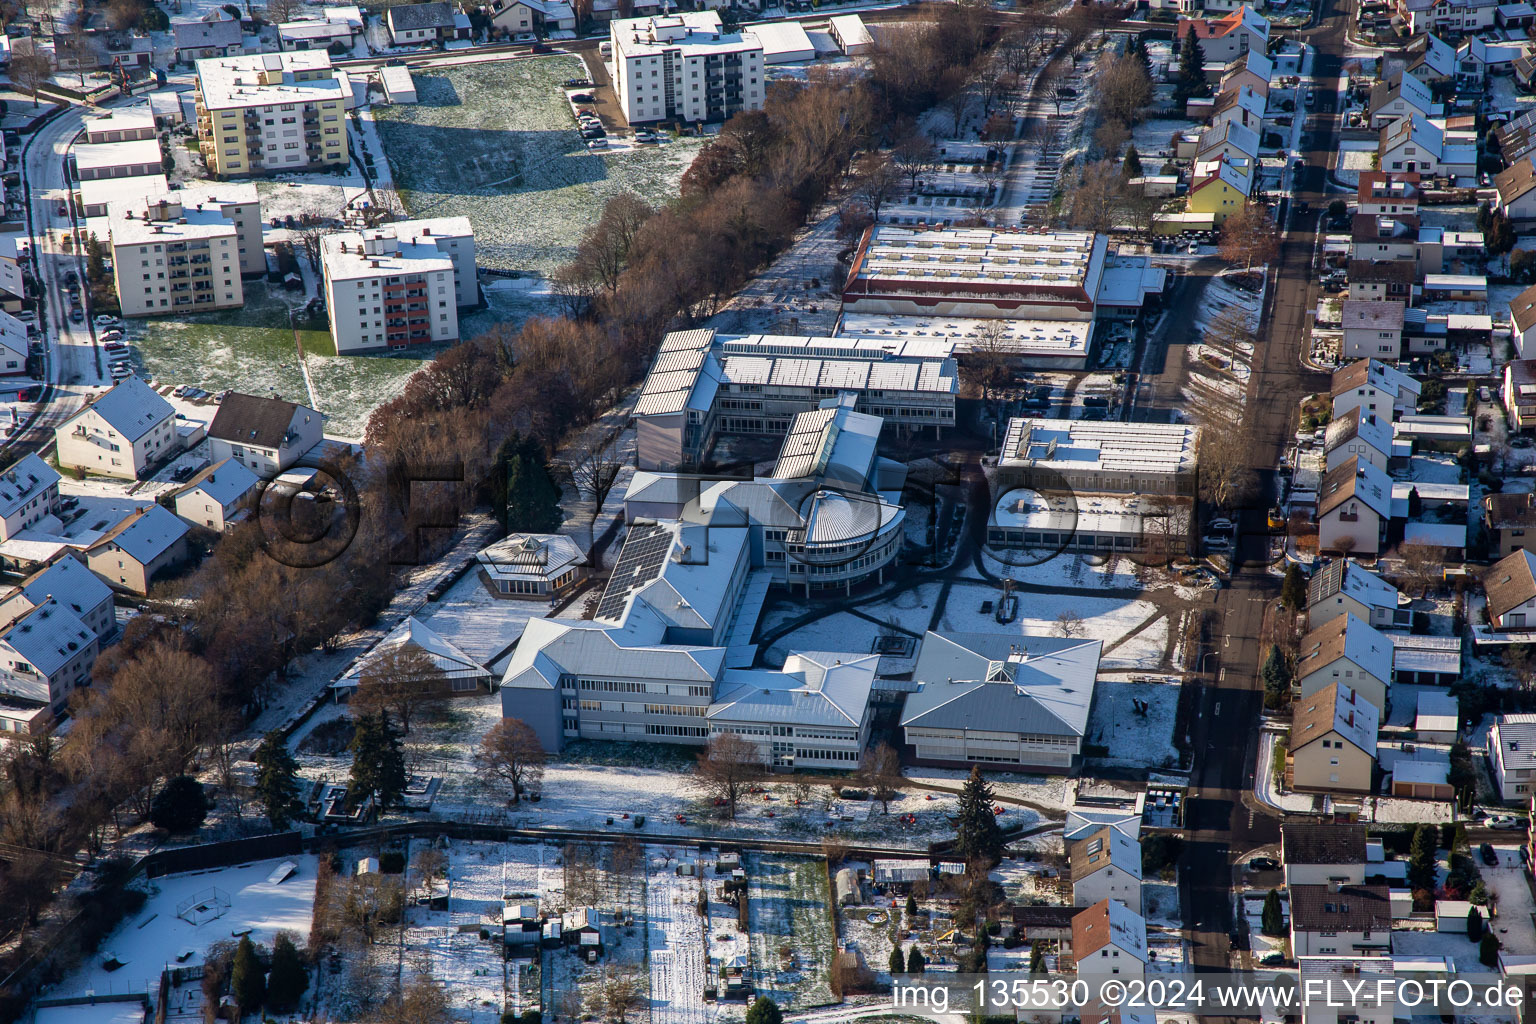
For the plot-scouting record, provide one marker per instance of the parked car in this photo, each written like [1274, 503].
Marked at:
[113, 335]
[597, 143]
[582, 97]
[1220, 525]
[71, 279]
[1489, 854]
[1503, 821]
[76, 317]
[577, 83]
[1272, 959]
[106, 320]
[1263, 864]
[593, 133]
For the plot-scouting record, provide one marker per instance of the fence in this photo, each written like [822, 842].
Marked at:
[218, 855]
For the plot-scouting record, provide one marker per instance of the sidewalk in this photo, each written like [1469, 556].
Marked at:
[1264, 782]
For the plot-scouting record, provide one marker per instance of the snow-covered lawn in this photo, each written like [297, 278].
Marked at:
[1134, 739]
[1160, 904]
[154, 938]
[791, 901]
[677, 956]
[496, 142]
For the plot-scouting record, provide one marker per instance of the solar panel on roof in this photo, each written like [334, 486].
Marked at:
[641, 561]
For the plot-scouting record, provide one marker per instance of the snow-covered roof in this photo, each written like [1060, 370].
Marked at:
[1106, 847]
[814, 688]
[147, 534]
[1512, 739]
[1109, 922]
[70, 583]
[1001, 683]
[131, 408]
[448, 657]
[1424, 769]
[22, 481]
[48, 636]
[1350, 638]
[1347, 577]
[1413, 653]
[531, 556]
[1335, 709]
[225, 482]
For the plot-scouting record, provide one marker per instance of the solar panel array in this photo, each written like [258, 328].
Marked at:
[644, 556]
[1115, 446]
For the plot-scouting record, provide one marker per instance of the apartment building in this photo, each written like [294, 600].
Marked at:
[186, 250]
[399, 284]
[44, 656]
[685, 67]
[269, 112]
[119, 434]
[69, 582]
[29, 489]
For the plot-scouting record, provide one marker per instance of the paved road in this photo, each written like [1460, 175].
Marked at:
[1222, 829]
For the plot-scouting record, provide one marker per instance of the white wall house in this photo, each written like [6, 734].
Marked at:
[1106, 865]
[216, 498]
[399, 284]
[1512, 755]
[266, 435]
[1346, 650]
[29, 490]
[120, 434]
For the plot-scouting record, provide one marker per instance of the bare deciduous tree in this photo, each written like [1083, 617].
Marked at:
[403, 681]
[30, 71]
[615, 994]
[1069, 624]
[1095, 201]
[594, 458]
[879, 178]
[880, 773]
[1423, 566]
[1248, 237]
[915, 156]
[510, 754]
[728, 767]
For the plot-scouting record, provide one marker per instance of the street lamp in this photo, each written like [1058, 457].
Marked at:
[1207, 654]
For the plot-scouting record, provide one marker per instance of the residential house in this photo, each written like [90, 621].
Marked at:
[1384, 237]
[45, 655]
[533, 565]
[1372, 385]
[1354, 505]
[1510, 585]
[1416, 143]
[1510, 518]
[316, 34]
[268, 435]
[1221, 194]
[1386, 280]
[1253, 69]
[1478, 58]
[1442, 250]
[1019, 702]
[1522, 316]
[1349, 920]
[1452, 17]
[1346, 650]
[1334, 973]
[139, 548]
[1332, 744]
[215, 33]
[1512, 756]
[123, 433]
[540, 17]
[1319, 854]
[1373, 328]
[1400, 96]
[1106, 864]
[1516, 188]
[1231, 141]
[1384, 194]
[418, 24]
[1109, 939]
[29, 490]
[1357, 433]
[1225, 39]
[1345, 587]
[1240, 104]
[218, 497]
[67, 581]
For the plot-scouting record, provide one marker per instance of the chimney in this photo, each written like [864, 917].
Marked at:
[1333, 885]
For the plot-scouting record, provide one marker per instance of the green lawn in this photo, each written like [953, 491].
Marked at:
[497, 143]
[253, 350]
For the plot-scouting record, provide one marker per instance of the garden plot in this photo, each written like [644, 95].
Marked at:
[1252, 909]
[518, 168]
[1160, 905]
[790, 903]
[234, 901]
[1134, 739]
[678, 961]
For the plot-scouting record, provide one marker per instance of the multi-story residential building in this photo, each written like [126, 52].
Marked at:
[1372, 385]
[1375, 1005]
[1109, 940]
[1453, 17]
[1383, 194]
[271, 112]
[703, 385]
[218, 497]
[1018, 702]
[1346, 650]
[268, 435]
[1354, 505]
[185, 251]
[29, 490]
[44, 656]
[15, 340]
[120, 434]
[1510, 584]
[139, 548]
[1357, 434]
[1106, 864]
[67, 581]
[1384, 237]
[1335, 920]
[1373, 327]
[1322, 854]
[1253, 69]
[1511, 522]
[399, 284]
[1241, 105]
[1522, 315]
[1512, 755]
[1219, 190]
[1333, 742]
[685, 67]
[1225, 39]
[1230, 140]
[1345, 587]
[1415, 143]
[215, 33]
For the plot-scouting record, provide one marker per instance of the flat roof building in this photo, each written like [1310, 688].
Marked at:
[1095, 456]
[267, 112]
[186, 250]
[399, 284]
[685, 66]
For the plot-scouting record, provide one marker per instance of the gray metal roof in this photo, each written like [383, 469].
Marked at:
[1004, 683]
